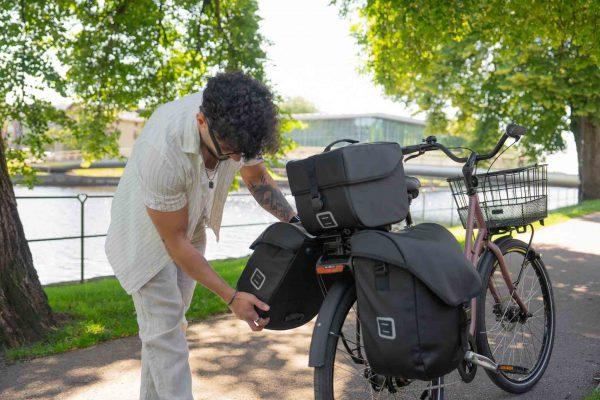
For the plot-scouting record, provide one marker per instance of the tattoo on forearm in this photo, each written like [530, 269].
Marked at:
[269, 196]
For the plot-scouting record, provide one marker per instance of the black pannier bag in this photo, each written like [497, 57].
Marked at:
[412, 287]
[282, 272]
[356, 186]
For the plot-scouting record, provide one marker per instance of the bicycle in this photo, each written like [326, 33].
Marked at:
[512, 321]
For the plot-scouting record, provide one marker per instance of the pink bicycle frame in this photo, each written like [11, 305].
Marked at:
[475, 248]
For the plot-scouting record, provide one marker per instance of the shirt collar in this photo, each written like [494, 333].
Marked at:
[190, 140]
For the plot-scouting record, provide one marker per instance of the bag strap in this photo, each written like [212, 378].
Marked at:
[464, 329]
[382, 277]
[315, 197]
[330, 145]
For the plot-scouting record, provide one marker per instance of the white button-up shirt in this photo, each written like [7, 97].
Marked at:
[165, 172]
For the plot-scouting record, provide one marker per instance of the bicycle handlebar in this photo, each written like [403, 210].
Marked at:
[512, 130]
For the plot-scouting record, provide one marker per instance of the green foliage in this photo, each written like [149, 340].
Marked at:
[100, 310]
[298, 105]
[595, 395]
[476, 65]
[111, 56]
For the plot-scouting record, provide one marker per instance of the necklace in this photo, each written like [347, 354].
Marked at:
[211, 183]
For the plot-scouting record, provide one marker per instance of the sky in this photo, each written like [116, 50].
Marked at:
[313, 55]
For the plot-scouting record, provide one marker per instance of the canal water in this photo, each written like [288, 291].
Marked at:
[58, 261]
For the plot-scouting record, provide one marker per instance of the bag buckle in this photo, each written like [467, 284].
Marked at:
[316, 201]
[381, 270]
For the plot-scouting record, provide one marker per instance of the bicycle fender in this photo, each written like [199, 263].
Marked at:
[322, 327]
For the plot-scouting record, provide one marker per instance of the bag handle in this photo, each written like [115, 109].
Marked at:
[330, 145]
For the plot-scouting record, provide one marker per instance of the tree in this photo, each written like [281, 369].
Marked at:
[109, 56]
[491, 62]
[298, 105]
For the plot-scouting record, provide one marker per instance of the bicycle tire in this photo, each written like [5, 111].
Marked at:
[323, 375]
[502, 379]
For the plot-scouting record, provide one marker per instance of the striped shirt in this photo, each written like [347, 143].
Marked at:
[165, 172]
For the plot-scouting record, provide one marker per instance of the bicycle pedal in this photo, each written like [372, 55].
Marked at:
[513, 369]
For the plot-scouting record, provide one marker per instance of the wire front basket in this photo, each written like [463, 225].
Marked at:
[508, 198]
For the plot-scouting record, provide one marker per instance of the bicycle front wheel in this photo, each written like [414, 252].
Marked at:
[346, 374]
[521, 342]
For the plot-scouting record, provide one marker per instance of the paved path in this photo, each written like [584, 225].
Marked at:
[229, 362]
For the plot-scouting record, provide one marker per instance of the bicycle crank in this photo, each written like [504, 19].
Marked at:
[492, 366]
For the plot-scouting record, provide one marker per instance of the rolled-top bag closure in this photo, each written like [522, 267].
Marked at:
[287, 236]
[429, 252]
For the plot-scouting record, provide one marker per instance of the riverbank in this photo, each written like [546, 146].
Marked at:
[100, 310]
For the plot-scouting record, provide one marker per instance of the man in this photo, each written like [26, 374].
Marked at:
[175, 183]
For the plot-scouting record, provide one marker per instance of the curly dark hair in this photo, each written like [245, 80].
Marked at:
[241, 112]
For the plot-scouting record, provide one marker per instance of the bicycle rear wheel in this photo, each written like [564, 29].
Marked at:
[504, 333]
[345, 373]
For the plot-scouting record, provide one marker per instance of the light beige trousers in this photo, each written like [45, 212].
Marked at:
[160, 306]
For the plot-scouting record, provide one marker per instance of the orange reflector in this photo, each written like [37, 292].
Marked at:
[330, 269]
[505, 367]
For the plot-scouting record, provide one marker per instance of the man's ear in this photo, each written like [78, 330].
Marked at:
[201, 118]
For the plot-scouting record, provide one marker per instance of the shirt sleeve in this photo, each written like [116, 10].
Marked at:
[162, 182]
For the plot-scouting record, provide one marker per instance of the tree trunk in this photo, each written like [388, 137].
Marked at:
[24, 311]
[587, 140]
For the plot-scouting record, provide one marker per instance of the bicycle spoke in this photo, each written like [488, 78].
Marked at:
[514, 338]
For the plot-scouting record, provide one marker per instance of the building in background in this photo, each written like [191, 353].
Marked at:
[321, 129]
[128, 123]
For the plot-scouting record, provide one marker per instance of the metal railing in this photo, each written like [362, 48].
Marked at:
[82, 198]
[418, 216]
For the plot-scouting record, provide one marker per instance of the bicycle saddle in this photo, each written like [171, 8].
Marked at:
[412, 186]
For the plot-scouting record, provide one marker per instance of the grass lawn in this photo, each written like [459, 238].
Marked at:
[595, 395]
[100, 310]
[98, 172]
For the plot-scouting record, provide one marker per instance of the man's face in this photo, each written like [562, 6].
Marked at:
[209, 141]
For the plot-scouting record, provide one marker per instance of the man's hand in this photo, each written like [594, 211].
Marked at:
[243, 308]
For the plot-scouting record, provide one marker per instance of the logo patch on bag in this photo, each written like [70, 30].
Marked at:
[386, 328]
[257, 279]
[326, 219]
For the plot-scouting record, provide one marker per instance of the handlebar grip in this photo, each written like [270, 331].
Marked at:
[515, 131]
[406, 150]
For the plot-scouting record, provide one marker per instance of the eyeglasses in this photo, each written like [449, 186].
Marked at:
[220, 155]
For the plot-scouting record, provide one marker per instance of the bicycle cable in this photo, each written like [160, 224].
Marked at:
[492, 163]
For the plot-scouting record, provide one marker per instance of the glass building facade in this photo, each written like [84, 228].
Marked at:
[321, 130]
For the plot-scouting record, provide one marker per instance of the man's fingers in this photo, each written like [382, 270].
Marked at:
[255, 301]
[261, 305]
[251, 325]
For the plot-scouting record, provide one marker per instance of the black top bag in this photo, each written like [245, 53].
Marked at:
[411, 287]
[356, 186]
[282, 273]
